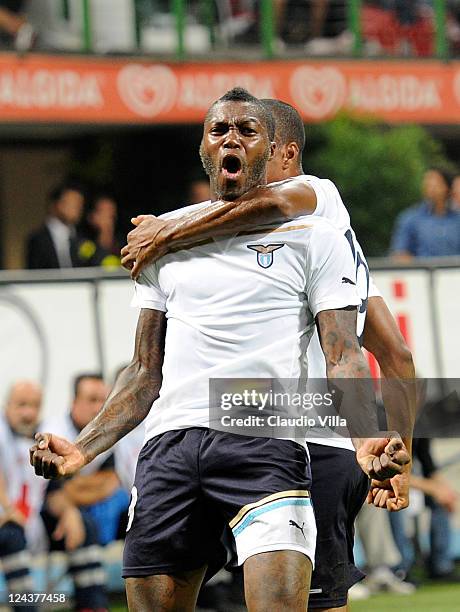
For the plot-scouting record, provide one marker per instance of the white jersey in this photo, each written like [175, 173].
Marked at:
[241, 307]
[330, 206]
[24, 488]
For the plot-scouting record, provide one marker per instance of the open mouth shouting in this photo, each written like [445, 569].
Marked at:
[231, 166]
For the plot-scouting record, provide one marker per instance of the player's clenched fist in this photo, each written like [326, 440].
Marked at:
[392, 494]
[147, 242]
[55, 457]
[383, 458]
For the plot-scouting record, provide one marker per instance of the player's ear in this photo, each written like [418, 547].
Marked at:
[291, 153]
[272, 150]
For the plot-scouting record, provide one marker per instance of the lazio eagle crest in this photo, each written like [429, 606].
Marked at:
[265, 253]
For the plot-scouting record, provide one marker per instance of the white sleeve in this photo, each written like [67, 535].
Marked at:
[373, 290]
[147, 291]
[329, 204]
[331, 274]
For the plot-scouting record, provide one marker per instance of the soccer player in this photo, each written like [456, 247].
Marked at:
[336, 507]
[234, 308]
[293, 194]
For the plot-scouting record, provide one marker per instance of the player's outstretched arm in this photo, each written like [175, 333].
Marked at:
[384, 340]
[131, 398]
[274, 203]
[379, 457]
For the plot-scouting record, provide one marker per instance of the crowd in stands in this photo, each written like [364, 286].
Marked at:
[75, 233]
[82, 232]
[319, 27]
[79, 516]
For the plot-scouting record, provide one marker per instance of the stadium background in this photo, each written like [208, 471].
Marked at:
[117, 103]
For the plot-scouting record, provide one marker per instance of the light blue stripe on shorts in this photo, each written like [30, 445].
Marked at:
[304, 501]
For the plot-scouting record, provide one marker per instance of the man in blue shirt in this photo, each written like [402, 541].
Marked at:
[432, 227]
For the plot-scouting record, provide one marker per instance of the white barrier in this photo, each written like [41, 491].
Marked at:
[55, 325]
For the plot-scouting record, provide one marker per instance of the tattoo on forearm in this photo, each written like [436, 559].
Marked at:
[136, 388]
[345, 360]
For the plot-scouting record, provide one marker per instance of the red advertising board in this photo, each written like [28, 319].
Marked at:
[40, 88]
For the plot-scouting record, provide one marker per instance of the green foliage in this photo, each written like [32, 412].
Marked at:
[428, 598]
[377, 169]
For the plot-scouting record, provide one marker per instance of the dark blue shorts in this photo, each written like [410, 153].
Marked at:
[339, 489]
[196, 487]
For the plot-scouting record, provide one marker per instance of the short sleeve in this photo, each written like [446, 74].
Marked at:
[373, 290]
[147, 291]
[329, 204]
[331, 274]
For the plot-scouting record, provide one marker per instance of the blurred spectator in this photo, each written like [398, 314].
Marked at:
[34, 507]
[198, 191]
[453, 27]
[327, 32]
[320, 22]
[21, 492]
[96, 489]
[399, 27]
[15, 30]
[100, 244]
[381, 555]
[55, 244]
[441, 499]
[432, 227]
[455, 193]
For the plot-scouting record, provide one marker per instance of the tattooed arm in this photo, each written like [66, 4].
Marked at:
[128, 404]
[349, 374]
[274, 203]
[384, 340]
[399, 393]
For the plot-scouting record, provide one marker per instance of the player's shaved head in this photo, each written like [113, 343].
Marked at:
[23, 405]
[290, 141]
[289, 126]
[237, 143]
[239, 94]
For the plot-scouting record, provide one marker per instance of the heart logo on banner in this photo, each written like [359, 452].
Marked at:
[318, 92]
[147, 90]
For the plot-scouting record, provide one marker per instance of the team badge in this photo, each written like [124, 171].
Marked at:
[265, 253]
